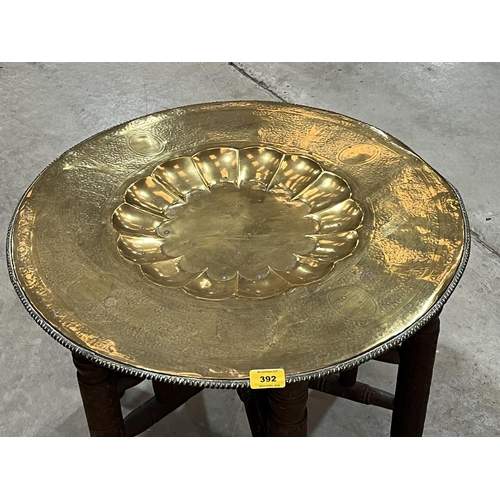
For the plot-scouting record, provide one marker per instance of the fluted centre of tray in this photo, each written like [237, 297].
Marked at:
[225, 222]
[244, 230]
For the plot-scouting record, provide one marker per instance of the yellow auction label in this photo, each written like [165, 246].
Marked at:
[267, 379]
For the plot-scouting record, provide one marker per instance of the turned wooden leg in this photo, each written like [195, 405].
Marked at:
[413, 384]
[359, 392]
[287, 410]
[100, 398]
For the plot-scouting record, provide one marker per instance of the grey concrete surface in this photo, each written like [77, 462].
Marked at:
[447, 113]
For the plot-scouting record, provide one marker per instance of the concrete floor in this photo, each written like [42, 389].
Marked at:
[447, 113]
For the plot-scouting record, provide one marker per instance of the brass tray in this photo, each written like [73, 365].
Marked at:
[196, 244]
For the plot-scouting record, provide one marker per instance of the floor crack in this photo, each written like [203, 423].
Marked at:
[260, 83]
[484, 244]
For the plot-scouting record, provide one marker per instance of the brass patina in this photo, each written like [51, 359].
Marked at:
[199, 243]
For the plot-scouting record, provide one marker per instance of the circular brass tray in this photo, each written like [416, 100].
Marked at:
[196, 244]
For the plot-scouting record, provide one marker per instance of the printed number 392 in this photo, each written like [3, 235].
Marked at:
[268, 378]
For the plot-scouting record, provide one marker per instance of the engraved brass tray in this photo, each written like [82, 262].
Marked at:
[196, 244]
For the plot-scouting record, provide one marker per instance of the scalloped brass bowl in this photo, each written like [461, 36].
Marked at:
[251, 222]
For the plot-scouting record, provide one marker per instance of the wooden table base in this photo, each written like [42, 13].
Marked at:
[270, 412]
[101, 402]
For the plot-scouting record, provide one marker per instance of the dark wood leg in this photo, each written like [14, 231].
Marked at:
[348, 378]
[256, 407]
[100, 398]
[413, 384]
[287, 410]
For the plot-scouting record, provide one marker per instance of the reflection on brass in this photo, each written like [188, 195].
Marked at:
[199, 243]
[359, 154]
[249, 223]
